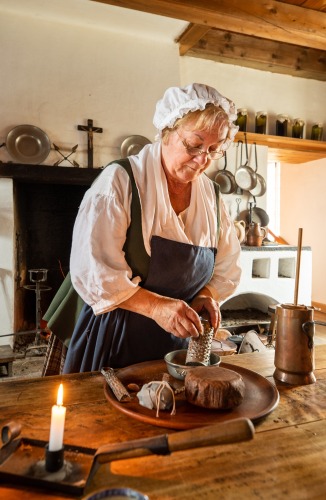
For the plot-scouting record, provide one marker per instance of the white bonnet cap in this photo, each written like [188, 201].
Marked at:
[178, 101]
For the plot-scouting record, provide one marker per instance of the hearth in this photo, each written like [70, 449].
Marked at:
[268, 279]
[45, 202]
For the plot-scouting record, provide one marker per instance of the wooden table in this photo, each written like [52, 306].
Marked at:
[286, 458]
[7, 358]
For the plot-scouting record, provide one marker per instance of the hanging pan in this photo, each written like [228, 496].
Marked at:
[245, 176]
[254, 214]
[260, 188]
[225, 179]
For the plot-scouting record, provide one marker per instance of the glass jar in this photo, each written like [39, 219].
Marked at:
[241, 120]
[282, 122]
[261, 122]
[317, 132]
[297, 128]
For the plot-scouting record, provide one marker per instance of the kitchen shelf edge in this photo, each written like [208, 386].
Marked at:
[287, 149]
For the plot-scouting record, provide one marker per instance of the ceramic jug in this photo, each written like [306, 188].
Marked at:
[255, 235]
[240, 227]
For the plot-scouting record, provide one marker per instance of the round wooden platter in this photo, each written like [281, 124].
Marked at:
[261, 398]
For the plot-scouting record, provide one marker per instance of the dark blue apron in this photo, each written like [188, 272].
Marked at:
[120, 338]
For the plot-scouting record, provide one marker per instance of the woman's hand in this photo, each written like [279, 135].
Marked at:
[176, 317]
[173, 315]
[208, 307]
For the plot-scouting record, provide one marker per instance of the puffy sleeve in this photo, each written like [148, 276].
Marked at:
[227, 271]
[99, 271]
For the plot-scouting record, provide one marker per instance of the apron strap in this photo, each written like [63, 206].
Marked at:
[217, 194]
[134, 248]
[64, 309]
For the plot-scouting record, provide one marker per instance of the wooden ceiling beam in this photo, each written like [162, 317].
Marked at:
[251, 52]
[190, 37]
[271, 20]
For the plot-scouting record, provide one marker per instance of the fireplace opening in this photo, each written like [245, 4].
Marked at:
[247, 311]
[44, 220]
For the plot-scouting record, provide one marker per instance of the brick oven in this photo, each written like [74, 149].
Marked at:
[268, 278]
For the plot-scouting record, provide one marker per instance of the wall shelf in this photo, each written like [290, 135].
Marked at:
[287, 149]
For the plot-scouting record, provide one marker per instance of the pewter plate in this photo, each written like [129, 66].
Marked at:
[133, 144]
[28, 144]
[261, 398]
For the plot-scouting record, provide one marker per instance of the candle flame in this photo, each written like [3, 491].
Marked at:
[60, 395]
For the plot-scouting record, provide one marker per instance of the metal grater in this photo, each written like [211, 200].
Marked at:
[199, 349]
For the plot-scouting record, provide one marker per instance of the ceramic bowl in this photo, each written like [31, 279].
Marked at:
[176, 363]
[116, 493]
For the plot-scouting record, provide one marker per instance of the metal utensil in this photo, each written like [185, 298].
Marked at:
[225, 179]
[245, 176]
[260, 188]
[238, 201]
[254, 214]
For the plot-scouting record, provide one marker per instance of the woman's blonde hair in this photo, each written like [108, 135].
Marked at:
[212, 118]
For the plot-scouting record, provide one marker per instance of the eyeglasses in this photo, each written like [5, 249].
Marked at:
[212, 155]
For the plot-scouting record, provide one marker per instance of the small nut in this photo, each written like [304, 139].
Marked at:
[133, 387]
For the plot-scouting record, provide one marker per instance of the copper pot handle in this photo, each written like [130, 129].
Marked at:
[306, 328]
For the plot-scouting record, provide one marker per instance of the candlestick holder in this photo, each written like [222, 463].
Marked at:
[29, 461]
[54, 459]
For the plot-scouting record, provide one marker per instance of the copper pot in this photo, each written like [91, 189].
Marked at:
[294, 344]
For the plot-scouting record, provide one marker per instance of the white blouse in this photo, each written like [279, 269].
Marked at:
[99, 271]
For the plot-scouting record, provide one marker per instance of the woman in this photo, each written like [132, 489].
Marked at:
[146, 277]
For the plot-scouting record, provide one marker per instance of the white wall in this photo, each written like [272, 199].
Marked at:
[261, 91]
[303, 204]
[56, 76]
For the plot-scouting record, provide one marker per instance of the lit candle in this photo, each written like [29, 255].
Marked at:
[57, 423]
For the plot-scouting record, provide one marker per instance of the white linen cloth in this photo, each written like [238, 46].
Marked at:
[99, 271]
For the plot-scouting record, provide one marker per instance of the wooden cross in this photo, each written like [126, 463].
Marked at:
[90, 131]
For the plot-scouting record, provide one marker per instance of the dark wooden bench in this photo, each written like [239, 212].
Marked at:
[6, 358]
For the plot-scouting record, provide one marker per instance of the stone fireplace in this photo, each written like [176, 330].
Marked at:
[44, 202]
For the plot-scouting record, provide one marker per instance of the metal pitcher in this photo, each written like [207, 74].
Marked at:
[294, 344]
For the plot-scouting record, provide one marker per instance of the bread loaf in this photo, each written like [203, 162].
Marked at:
[214, 387]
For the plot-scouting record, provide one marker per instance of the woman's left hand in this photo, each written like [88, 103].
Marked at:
[203, 303]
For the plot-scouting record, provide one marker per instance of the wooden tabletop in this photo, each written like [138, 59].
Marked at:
[285, 459]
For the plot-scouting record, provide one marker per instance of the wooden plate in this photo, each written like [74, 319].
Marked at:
[261, 398]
